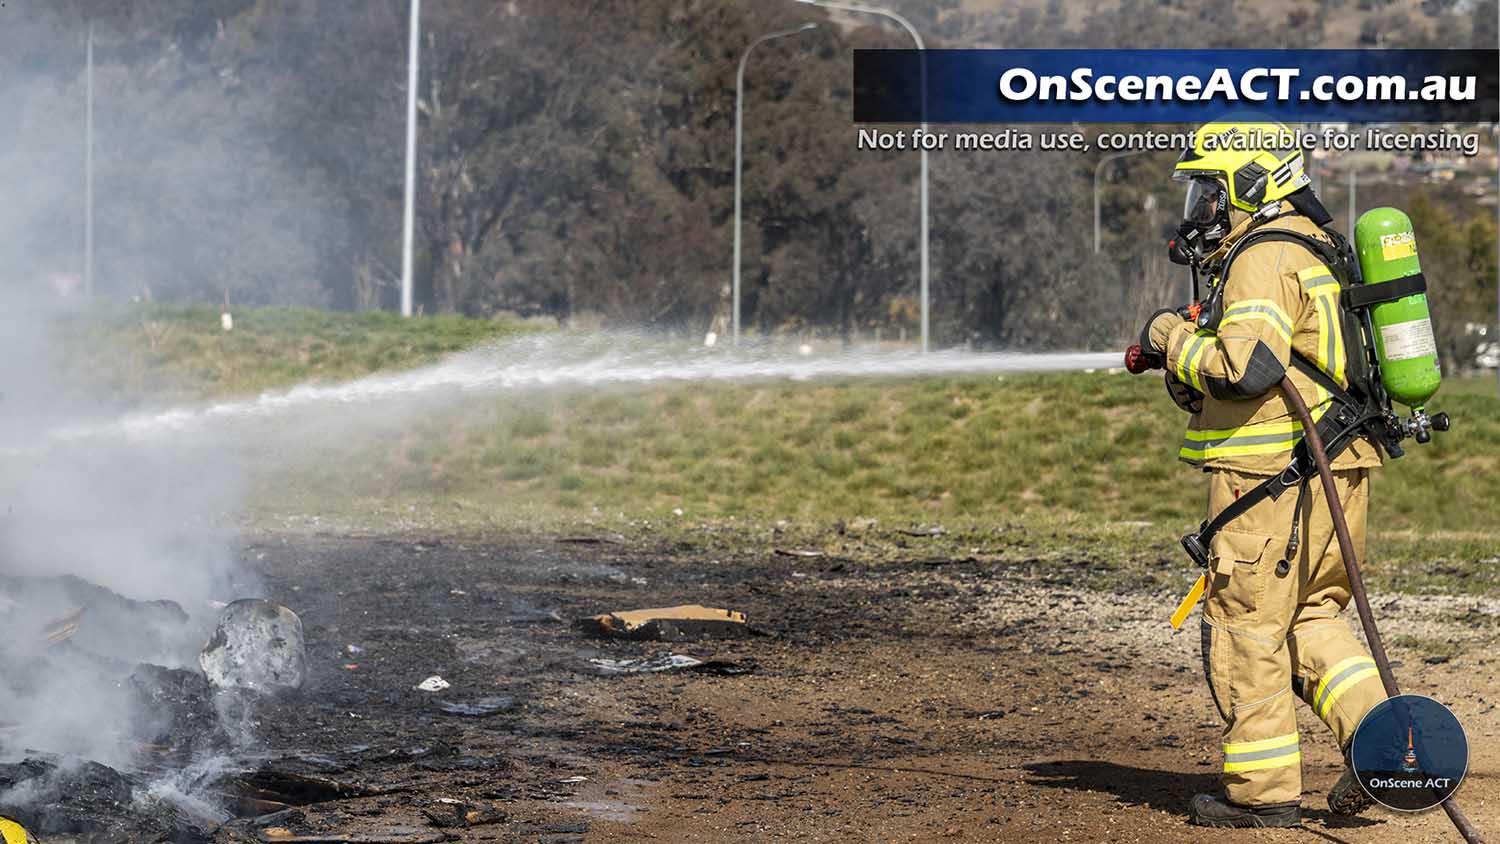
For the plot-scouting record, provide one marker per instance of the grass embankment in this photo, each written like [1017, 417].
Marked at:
[1022, 468]
[181, 352]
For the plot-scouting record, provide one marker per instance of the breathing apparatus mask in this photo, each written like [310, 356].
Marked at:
[1205, 221]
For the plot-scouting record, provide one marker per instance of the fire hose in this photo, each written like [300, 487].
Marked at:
[1136, 362]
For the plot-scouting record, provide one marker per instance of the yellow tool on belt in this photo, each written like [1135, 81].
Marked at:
[1220, 565]
[13, 833]
[1189, 601]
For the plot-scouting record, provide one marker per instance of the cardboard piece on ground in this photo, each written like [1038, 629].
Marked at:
[668, 624]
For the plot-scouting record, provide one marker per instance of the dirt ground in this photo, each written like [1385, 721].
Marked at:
[928, 700]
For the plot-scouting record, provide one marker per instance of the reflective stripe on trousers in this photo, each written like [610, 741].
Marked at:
[1259, 755]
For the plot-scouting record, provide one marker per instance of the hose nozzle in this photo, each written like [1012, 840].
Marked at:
[1138, 362]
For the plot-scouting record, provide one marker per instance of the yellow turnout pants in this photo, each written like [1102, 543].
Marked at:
[1271, 630]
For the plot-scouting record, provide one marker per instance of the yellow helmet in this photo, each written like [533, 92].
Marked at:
[1257, 161]
[13, 833]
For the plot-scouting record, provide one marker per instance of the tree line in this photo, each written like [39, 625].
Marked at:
[576, 161]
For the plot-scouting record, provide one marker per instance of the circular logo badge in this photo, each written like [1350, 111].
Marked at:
[1409, 753]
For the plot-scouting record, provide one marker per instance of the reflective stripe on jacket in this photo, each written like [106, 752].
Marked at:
[1279, 296]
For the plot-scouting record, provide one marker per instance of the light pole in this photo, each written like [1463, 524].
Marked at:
[739, 153]
[408, 214]
[88, 174]
[922, 48]
[1098, 170]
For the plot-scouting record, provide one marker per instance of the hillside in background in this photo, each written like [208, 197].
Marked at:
[1052, 462]
[577, 164]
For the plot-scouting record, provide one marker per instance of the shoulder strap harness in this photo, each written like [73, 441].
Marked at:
[1362, 410]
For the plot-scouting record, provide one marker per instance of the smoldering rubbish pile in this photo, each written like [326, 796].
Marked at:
[128, 696]
[187, 689]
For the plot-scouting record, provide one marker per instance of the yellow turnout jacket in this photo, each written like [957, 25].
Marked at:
[1279, 296]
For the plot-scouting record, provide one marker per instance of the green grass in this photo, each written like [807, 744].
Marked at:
[1088, 460]
[1026, 470]
[933, 450]
[179, 352]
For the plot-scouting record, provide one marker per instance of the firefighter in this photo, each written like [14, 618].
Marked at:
[1271, 626]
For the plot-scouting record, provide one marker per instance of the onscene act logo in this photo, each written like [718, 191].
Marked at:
[1410, 753]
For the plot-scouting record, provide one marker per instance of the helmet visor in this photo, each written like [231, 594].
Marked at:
[1205, 199]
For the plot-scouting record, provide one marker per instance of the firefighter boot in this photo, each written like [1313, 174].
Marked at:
[1213, 810]
[1347, 797]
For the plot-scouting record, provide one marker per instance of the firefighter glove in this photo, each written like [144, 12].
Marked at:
[1159, 329]
[1155, 334]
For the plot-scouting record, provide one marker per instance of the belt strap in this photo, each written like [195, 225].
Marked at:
[1197, 544]
[1365, 295]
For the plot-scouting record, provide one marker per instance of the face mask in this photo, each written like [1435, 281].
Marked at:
[1205, 203]
[1205, 221]
[1184, 247]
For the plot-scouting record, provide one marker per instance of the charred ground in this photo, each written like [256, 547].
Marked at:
[1007, 677]
[926, 698]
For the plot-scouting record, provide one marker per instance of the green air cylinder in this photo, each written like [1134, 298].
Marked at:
[1404, 343]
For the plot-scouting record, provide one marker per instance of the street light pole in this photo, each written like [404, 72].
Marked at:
[922, 48]
[408, 215]
[88, 174]
[1098, 170]
[739, 153]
